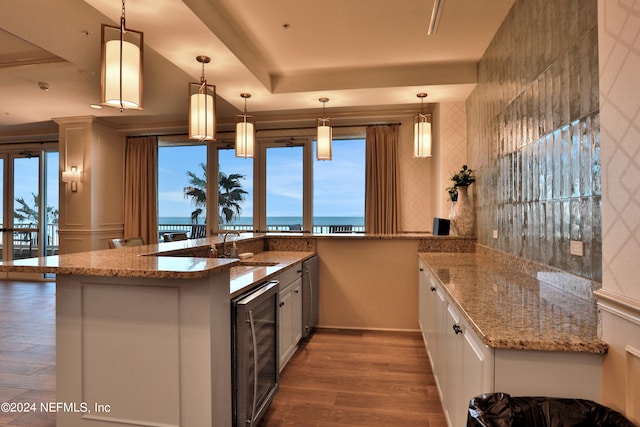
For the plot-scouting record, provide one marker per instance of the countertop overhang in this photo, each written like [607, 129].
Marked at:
[160, 261]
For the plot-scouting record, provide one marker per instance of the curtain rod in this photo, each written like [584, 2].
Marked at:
[334, 126]
[277, 129]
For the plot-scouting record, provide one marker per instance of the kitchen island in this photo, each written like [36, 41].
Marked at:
[143, 338]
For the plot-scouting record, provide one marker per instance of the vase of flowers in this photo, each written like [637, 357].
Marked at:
[462, 216]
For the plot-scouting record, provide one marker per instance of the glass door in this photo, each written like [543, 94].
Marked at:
[29, 185]
[25, 217]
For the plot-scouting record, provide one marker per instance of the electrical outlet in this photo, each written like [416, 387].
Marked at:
[576, 247]
[495, 234]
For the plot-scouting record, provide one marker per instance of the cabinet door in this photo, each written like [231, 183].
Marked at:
[423, 283]
[438, 345]
[452, 376]
[431, 308]
[477, 367]
[285, 328]
[296, 312]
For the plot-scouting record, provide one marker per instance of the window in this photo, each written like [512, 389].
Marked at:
[29, 186]
[338, 188]
[235, 191]
[182, 191]
[284, 188]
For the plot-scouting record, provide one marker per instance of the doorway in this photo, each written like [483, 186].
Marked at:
[29, 203]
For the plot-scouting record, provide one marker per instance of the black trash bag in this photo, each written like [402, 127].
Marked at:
[502, 410]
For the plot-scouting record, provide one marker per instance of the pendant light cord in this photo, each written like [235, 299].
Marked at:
[122, 31]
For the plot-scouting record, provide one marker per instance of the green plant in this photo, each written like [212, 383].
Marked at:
[230, 194]
[463, 178]
[26, 213]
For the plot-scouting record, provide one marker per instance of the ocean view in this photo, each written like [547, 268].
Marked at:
[278, 220]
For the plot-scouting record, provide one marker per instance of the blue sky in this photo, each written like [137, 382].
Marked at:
[338, 190]
[25, 181]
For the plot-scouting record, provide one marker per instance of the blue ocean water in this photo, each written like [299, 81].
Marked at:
[278, 220]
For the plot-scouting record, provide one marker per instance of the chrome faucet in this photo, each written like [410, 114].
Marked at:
[224, 243]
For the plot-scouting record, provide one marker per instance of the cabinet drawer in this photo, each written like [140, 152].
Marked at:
[290, 275]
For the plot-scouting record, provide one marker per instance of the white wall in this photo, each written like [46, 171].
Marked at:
[619, 67]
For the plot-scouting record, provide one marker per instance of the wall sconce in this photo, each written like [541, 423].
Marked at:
[73, 176]
[202, 107]
[421, 132]
[121, 67]
[325, 134]
[245, 132]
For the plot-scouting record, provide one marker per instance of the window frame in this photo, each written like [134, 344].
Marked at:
[268, 139]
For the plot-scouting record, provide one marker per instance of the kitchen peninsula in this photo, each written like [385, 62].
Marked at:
[143, 333]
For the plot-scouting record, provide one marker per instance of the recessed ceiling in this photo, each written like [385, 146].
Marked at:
[286, 53]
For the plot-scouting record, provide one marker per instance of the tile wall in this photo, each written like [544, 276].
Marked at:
[533, 136]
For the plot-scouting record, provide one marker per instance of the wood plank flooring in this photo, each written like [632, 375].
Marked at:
[337, 378]
[27, 350]
[357, 378]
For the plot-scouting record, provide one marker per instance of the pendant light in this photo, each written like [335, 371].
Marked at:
[323, 140]
[245, 132]
[421, 131]
[202, 107]
[121, 66]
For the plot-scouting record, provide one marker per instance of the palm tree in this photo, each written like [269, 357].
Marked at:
[26, 213]
[197, 191]
[230, 194]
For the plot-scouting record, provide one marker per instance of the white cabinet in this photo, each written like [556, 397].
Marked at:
[461, 363]
[289, 313]
[464, 367]
[423, 291]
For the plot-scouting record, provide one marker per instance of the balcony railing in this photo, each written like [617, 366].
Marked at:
[26, 244]
[293, 228]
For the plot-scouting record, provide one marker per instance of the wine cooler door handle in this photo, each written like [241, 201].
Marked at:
[255, 368]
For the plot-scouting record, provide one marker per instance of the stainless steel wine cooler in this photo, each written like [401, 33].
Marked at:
[255, 353]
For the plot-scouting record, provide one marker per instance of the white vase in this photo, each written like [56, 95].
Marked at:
[462, 218]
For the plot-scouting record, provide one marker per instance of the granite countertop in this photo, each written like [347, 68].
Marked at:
[160, 261]
[124, 262]
[508, 309]
[251, 272]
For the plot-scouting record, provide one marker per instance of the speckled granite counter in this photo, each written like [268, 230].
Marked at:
[176, 260]
[509, 309]
[252, 273]
[125, 262]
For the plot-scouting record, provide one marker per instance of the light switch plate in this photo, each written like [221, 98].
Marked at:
[576, 247]
[495, 234]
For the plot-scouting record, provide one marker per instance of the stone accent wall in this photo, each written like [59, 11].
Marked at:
[533, 129]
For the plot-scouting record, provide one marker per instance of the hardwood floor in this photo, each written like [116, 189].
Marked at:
[27, 350]
[357, 378]
[338, 378]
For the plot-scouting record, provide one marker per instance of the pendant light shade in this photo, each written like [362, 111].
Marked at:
[121, 66]
[202, 107]
[245, 132]
[324, 136]
[421, 132]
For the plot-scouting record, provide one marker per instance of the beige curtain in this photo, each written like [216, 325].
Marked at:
[140, 188]
[381, 194]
